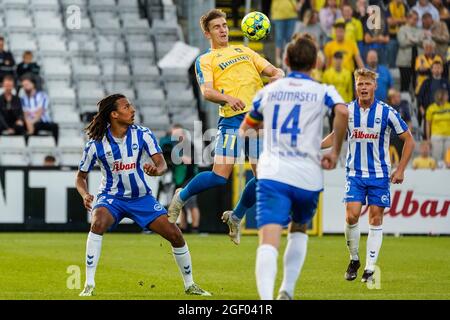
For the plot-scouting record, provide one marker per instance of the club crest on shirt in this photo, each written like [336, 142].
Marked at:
[135, 146]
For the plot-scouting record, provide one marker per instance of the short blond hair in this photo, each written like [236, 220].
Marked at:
[365, 73]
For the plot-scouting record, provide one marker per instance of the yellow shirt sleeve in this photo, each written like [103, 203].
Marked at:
[259, 62]
[203, 69]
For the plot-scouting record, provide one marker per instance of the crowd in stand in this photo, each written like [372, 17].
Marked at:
[24, 106]
[411, 36]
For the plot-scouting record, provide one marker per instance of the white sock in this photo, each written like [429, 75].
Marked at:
[93, 250]
[266, 270]
[352, 236]
[294, 256]
[374, 240]
[183, 259]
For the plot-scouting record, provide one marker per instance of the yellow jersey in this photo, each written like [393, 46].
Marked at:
[353, 30]
[234, 71]
[283, 9]
[424, 163]
[396, 10]
[342, 81]
[439, 116]
[348, 48]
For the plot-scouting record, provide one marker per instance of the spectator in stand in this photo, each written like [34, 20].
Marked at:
[320, 4]
[429, 88]
[27, 66]
[182, 173]
[7, 62]
[423, 6]
[403, 108]
[396, 17]
[348, 48]
[317, 72]
[384, 80]
[409, 37]
[312, 26]
[328, 16]
[376, 39]
[444, 14]
[438, 32]
[283, 14]
[424, 63]
[438, 125]
[36, 108]
[424, 160]
[339, 77]
[49, 161]
[361, 10]
[11, 114]
[353, 27]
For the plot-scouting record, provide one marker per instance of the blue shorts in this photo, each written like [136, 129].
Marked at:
[143, 210]
[375, 190]
[230, 144]
[276, 201]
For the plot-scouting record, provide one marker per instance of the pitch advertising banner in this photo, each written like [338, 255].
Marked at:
[421, 205]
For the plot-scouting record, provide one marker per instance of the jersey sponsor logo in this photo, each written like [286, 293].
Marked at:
[120, 166]
[225, 64]
[358, 134]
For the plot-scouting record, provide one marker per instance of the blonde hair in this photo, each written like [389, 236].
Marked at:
[365, 73]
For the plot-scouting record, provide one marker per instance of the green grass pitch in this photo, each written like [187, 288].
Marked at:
[138, 266]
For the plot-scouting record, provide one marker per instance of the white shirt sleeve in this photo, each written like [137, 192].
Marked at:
[150, 143]
[89, 157]
[332, 97]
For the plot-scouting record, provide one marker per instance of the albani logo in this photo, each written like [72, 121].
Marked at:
[358, 134]
[120, 166]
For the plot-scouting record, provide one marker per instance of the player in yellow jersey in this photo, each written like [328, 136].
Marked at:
[229, 76]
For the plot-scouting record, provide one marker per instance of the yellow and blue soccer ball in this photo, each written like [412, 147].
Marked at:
[255, 26]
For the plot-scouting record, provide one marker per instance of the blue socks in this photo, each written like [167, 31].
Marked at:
[201, 182]
[247, 200]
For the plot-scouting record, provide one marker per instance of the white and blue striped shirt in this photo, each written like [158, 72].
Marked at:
[122, 162]
[33, 103]
[368, 139]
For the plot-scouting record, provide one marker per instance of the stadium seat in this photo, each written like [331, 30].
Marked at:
[68, 121]
[71, 150]
[39, 147]
[132, 26]
[166, 31]
[86, 72]
[90, 95]
[82, 48]
[18, 21]
[102, 5]
[52, 46]
[109, 49]
[128, 6]
[56, 71]
[143, 71]
[45, 5]
[61, 95]
[162, 48]
[141, 50]
[13, 151]
[15, 4]
[150, 97]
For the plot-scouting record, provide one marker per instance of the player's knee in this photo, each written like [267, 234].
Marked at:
[351, 218]
[376, 221]
[175, 238]
[99, 226]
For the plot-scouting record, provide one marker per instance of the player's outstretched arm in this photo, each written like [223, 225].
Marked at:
[82, 188]
[273, 73]
[340, 124]
[215, 96]
[408, 148]
[158, 168]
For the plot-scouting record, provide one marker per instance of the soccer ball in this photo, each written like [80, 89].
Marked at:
[255, 25]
